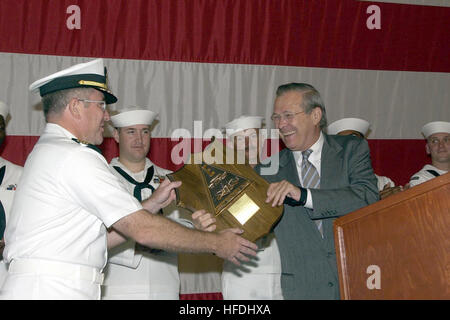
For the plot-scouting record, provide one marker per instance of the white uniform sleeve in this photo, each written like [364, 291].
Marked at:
[179, 215]
[87, 179]
[382, 181]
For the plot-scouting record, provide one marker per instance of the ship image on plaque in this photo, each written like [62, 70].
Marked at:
[234, 193]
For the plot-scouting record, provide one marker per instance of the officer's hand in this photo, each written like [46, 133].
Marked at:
[162, 196]
[204, 221]
[278, 191]
[235, 248]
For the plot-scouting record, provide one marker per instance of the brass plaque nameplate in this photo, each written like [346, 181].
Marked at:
[243, 209]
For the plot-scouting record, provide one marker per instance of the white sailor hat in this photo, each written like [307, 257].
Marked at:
[90, 74]
[4, 110]
[244, 123]
[356, 124]
[435, 127]
[132, 116]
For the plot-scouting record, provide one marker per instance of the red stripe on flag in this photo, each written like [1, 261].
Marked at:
[396, 159]
[320, 33]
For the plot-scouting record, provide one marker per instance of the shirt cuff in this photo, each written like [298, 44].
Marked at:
[309, 203]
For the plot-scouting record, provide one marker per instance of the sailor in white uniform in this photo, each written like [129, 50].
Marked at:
[358, 127]
[133, 271]
[69, 206]
[9, 172]
[437, 134]
[260, 278]
[9, 178]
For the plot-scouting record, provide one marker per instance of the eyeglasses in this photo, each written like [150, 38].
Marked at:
[289, 116]
[101, 103]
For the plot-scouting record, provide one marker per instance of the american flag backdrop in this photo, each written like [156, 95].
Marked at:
[214, 60]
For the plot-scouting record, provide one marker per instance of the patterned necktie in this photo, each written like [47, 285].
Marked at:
[138, 185]
[310, 179]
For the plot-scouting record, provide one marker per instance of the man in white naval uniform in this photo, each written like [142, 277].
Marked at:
[437, 134]
[359, 128]
[258, 279]
[9, 178]
[133, 271]
[69, 207]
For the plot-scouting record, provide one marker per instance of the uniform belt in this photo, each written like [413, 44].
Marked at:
[55, 268]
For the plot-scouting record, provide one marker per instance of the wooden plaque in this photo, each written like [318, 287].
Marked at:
[234, 193]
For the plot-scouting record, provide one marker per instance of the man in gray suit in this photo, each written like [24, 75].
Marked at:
[320, 178]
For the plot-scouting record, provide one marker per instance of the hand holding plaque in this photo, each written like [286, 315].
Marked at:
[234, 193]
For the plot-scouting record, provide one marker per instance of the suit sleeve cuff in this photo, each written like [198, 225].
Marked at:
[303, 198]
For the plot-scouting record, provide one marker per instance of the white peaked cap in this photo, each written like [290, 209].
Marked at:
[355, 124]
[244, 123]
[90, 74]
[4, 110]
[435, 127]
[131, 117]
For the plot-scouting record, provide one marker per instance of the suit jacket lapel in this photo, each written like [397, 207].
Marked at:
[331, 166]
[331, 163]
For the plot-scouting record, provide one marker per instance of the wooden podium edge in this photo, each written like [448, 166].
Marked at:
[341, 263]
[339, 238]
[394, 199]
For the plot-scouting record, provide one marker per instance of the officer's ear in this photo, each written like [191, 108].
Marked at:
[427, 148]
[116, 134]
[74, 106]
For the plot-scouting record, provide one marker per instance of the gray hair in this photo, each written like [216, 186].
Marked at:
[311, 98]
[54, 103]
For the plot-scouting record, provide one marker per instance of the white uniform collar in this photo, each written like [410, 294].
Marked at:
[115, 162]
[431, 167]
[54, 128]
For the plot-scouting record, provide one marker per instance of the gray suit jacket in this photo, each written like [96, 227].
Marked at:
[347, 183]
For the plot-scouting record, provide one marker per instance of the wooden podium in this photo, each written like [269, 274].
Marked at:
[399, 247]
